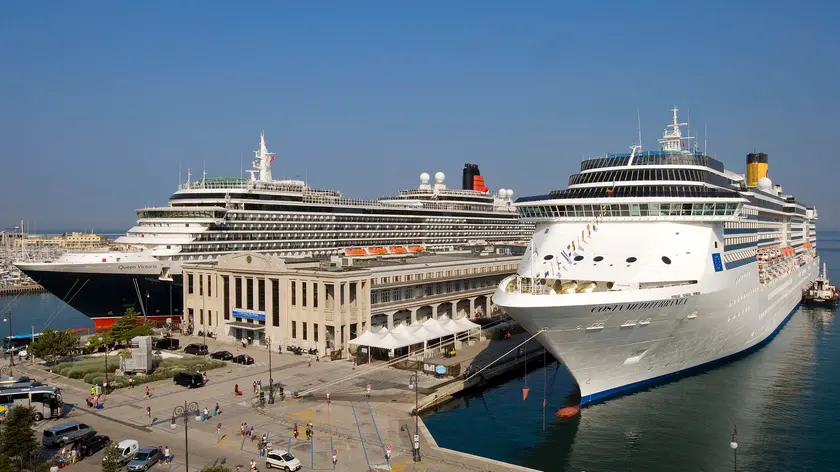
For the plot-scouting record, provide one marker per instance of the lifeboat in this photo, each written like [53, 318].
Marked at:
[586, 287]
[416, 248]
[568, 412]
[568, 287]
[356, 251]
[397, 250]
[377, 250]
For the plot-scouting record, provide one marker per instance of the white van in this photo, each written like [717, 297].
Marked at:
[128, 448]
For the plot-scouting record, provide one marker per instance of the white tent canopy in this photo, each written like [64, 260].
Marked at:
[402, 335]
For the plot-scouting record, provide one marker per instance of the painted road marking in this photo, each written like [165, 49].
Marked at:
[359, 428]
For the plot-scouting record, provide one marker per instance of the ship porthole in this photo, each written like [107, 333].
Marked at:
[548, 257]
[666, 259]
[631, 260]
[578, 258]
[598, 258]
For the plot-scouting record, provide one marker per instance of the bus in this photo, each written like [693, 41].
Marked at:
[18, 342]
[45, 401]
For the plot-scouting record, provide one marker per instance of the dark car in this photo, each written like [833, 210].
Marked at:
[189, 379]
[223, 355]
[243, 359]
[92, 445]
[170, 344]
[197, 349]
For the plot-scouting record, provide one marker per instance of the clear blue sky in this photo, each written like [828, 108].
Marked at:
[101, 100]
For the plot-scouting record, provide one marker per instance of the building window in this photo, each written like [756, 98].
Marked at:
[209, 318]
[249, 293]
[315, 297]
[304, 330]
[294, 295]
[201, 317]
[226, 282]
[209, 286]
[261, 294]
[201, 284]
[275, 303]
[303, 303]
[294, 329]
[238, 289]
[189, 283]
[315, 332]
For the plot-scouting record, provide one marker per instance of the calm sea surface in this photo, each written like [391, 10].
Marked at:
[784, 398]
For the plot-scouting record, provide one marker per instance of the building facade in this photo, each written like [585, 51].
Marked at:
[259, 298]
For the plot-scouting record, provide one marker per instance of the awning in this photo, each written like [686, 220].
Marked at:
[248, 326]
[435, 329]
[466, 324]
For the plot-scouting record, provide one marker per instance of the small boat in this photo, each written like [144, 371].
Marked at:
[821, 292]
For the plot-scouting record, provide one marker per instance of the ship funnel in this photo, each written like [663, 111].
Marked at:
[472, 179]
[756, 168]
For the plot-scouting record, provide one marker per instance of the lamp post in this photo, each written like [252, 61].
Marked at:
[414, 382]
[734, 445]
[104, 340]
[11, 353]
[270, 377]
[185, 411]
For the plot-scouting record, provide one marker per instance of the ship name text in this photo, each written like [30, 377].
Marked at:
[640, 305]
[136, 266]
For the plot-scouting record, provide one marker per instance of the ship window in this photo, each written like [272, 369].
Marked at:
[598, 258]
[578, 258]
[631, 260]
[548, 257]
[666, 259]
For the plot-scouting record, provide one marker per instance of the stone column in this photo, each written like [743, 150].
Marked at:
[413, 315]
[434, 310]
[390, 317]
[488, 302]
[472, 308]
[454, 309]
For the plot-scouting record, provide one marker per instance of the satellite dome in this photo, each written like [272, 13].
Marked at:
[510, 193]
[502, 193]
[424, 178]
[439, 177]
[765, 184]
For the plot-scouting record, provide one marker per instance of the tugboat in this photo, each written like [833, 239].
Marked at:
[821, 292]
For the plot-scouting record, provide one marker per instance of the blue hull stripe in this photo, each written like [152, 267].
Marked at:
[645, 384]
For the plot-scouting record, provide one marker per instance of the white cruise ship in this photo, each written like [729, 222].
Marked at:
[651, 264]
[211, 217]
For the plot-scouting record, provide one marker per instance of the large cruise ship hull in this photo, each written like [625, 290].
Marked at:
[646, 341]
[105, 292]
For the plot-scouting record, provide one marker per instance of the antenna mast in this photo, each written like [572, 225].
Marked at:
[639, 121]
[706, 139]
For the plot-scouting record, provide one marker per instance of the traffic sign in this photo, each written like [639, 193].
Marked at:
[388, 447]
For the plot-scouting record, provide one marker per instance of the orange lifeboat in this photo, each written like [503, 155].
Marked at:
[568, 412]
[356, 251]
[416, 248]
[377, 250]
[397, 250]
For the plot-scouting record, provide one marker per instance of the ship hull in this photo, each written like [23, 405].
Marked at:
[680, 336]
[105, 295]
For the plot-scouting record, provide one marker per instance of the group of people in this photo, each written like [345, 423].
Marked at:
[264, 445]
[310, 431]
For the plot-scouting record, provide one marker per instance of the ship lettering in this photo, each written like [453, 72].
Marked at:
[136, 266]
[639, 305]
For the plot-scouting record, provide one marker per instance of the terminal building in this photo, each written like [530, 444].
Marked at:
[324, 304]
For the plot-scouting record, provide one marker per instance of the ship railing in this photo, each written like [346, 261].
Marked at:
[471, 193]
[397, 203]
[524, 286]
[213, 184]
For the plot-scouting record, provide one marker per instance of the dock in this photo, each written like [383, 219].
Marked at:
[21, 289]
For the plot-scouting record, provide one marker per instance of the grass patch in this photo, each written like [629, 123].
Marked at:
[92, 369]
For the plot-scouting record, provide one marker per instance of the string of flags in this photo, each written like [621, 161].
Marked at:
[575, 245]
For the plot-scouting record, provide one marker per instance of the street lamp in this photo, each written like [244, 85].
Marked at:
[11, 353]
[414, 382]
[105, 341]
[270, 377]
[734, 445]
[185, 411]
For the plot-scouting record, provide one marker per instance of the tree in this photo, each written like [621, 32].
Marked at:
[111, 458]
[17, 437]
[126, 327]
[53, 344]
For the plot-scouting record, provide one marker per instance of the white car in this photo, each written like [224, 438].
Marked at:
[279, 459]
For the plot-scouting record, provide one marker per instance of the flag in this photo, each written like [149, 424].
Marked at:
[582, 237]
[695, 145]
[588, 230]
[594, 228]
[573, 246]
[565, 256]
[525, 391]
[569, 247]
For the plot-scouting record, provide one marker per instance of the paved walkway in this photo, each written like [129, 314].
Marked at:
[361, 429]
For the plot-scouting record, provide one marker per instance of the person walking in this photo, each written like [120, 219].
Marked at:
[255, 387]
[236, 390]
[295, 431]
[148, 392]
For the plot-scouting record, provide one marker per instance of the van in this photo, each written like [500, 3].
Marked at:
[67, 433]
[189, 379]
[128, 448]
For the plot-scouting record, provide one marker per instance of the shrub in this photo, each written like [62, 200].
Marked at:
[75, 373]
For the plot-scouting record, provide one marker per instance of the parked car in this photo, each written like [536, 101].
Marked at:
[170, 344]
[92, 445]
[223, 355]
[197, 349]
[67, 433]
[243, 359]
[144, 459]
[281, 459]
[128, 448]
[189, 379]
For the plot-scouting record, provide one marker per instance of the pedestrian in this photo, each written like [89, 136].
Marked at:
[334, 457]
[148, 392]
[310, 361]
[206, 377]
[308, 433]
[216, 409]
[255, 387]
[253, 465]
[166, 455]
[236, 390]
[259, 386]
[242, 429]
[269, 446]
[92, 391]
[260, 449]
[131, 382]
[295, 431]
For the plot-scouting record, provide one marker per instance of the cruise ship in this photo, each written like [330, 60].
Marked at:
[653, 264]
[214, 216]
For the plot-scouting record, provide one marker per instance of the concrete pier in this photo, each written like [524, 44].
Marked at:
[360, 427]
